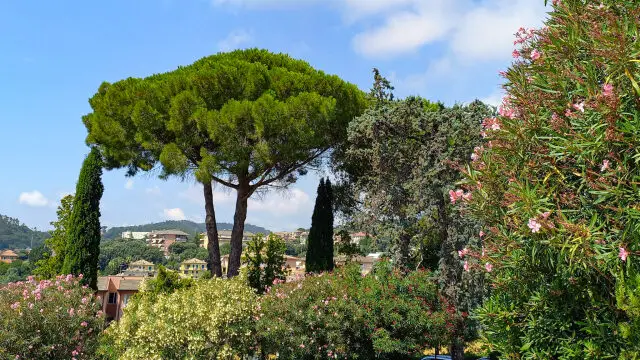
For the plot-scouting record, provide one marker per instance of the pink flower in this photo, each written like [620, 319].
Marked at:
[607, 90]
[30, 305]
[466, 196]
[556, 2]
[534, 225]
[488, 267]
[535, 55]
[605, 165]
[463, 252]
[481, 233]
[85, 300]
[30, 278]
[301, 346]
[71, 312]
[74, 353]
[466, 265]
[515, 54]
[41, 311]
[84, 324]
[623, 254]
[579, 106]
[15, 305]
[546, 214]
[455, 195]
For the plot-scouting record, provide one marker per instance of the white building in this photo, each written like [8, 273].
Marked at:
[135, 235]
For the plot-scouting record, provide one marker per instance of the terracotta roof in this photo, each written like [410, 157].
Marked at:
[8, 253]
[116, 283]
[194, 261]
[359, 234]
[141, 262]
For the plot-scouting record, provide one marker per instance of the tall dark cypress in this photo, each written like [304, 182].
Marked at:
[320, 241]
[327, 248]
[314, 241]
[83, 235]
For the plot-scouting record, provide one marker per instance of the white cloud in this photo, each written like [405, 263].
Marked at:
[153, 190]
[290, 202]
[494, 99]
[472, 30]
[234, 40]
[407, 31]
[33, 198]
[174, 214]
[129, 184]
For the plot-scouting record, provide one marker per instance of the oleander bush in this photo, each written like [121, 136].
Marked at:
[343, 315]
[212, 319]
[49, 319]
[557, 185]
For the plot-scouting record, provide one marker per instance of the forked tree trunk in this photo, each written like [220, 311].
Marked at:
[238, 228]
[213, 247]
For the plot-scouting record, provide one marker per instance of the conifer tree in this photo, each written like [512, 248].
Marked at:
[320, 241]
[83, 234]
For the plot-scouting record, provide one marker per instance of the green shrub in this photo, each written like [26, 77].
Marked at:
[557, 186]
[344, 315]
[49, 319]
[213, 319]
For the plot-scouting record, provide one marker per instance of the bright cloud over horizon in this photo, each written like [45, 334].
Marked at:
[57, 57]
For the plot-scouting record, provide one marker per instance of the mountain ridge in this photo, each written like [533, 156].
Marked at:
[187, 226]
[17, 235]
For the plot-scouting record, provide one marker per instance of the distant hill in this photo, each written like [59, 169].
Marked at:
[187, 226]
[15, 235]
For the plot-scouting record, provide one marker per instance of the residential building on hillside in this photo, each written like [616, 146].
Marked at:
[293, 236]
[163, 239]
[135, 235]
[193, 268]
[224, 237]
[142, 266]
[8, 256]
[115, 292]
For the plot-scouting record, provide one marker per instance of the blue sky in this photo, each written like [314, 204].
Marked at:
[54, 55]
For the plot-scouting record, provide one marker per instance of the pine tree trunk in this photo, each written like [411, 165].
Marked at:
[456, 350]
[213, 247]
[238, 228]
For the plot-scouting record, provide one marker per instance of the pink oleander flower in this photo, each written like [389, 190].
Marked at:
[463, 252]
[607, 90]
[84, 324]
[74, 353]
[535, 55]
[30, 305]
[481, 233]
[534, 225]
[488, 267]
[605, 165]
[85, 300]
[546, 214]
[466, 266]
[302, 346]
[467, 196]
[515, 54]
[579, 106]
[15, 305]
[71, 312]
[455, 195]
[623, 254]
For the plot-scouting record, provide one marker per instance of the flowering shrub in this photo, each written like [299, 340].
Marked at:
[384, 315]
[49, 319]
[557, 185]
[212, 319]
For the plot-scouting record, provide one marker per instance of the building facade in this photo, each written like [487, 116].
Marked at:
[8, 256]
[163, 239]
[224, 237]
[115, 293]
[193, 268]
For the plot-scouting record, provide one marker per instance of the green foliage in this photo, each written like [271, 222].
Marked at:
[319, 256]
[166, 282]
[121, 251]
[343, 315]
[50, 319]
[297, 250]
[245, 119]
[51, 265]
[83, 227]
[557, 187]
[14, 235]
[211, 320]
[347, 247]
[265, 261]
[16, 271]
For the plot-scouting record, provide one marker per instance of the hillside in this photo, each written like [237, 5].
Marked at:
[14, 235]
[187, 226]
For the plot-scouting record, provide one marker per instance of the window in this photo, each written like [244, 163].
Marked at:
[202, 267]
[149, 268]
[186, 272]
[112, 298]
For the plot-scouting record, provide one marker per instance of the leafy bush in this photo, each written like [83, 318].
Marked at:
[212, 319]
[265, 261]
[557, 186]
[49, 319]
[384, 315]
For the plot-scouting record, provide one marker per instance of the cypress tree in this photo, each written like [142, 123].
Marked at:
[83, 236]
[327, 236]
[320, 241]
